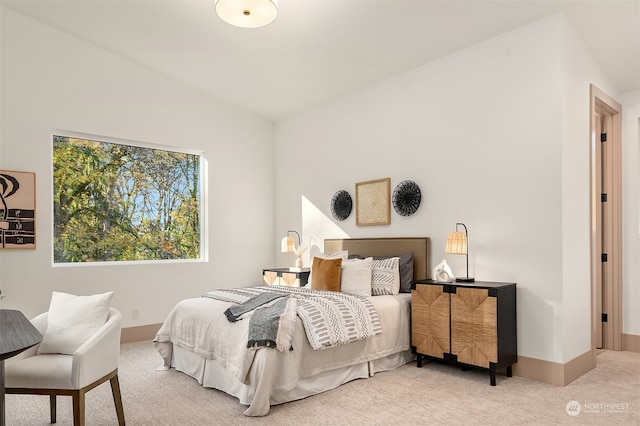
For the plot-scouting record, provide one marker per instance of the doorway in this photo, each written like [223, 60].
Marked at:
[606, 222]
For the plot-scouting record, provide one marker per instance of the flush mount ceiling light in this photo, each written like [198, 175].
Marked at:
[247, 13]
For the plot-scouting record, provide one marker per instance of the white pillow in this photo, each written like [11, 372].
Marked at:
[356, 276]
[72, 320]
[314, 251]
[385, 276]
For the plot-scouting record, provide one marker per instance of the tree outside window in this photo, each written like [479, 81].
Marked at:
[116, 202]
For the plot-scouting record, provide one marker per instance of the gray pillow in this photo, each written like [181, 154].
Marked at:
[406, 269]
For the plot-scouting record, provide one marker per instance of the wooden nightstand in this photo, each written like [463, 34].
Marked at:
[285, 276]
[471, 324]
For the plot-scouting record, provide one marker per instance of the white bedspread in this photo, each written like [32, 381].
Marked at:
[199, 325]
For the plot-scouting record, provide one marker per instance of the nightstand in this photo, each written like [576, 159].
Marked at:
[285, 276]
[469, 323]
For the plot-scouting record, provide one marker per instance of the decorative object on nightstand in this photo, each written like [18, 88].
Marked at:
[284, 276]
[443, 273]
[406, 198]
[288, 245]
[458, 243]
[341, 205]
[471, 324]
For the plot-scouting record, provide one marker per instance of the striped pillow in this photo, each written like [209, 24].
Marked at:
[385, 276]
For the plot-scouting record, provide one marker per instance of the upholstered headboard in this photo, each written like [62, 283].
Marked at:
[386, 247]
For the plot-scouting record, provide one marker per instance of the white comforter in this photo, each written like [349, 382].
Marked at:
[200, 326]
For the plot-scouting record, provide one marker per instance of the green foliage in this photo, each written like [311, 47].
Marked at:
[117, 202]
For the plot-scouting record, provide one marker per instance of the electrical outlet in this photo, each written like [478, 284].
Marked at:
[135, 313]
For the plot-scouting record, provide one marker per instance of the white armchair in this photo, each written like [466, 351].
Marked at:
[92, 364]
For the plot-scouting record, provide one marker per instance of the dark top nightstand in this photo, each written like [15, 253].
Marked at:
[286, 276]
[469, 323]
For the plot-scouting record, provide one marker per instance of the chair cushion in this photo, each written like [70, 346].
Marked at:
[40, 372]
[72, 320]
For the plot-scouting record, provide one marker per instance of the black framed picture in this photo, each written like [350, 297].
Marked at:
[17, 210]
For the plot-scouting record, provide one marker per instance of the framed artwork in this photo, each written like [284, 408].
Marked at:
[17, 210]
[373, 205]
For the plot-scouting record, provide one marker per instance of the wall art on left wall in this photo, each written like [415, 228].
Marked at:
[17, 210]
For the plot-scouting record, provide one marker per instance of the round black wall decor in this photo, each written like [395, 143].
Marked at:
[406, 198]
[341, 205]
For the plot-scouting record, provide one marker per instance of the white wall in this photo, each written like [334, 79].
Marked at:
[49, 81]
[631, 211]
[579, 71]
[484, 134]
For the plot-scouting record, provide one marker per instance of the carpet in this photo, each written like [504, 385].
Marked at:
[438, 393]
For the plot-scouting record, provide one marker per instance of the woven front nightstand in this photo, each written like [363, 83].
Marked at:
[285, 276]
[471, 324]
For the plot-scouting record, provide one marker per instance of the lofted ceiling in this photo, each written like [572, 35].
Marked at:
[317, 50]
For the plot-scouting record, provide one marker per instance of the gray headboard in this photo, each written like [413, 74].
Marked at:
[386, 247]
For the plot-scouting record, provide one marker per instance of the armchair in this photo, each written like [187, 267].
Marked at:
[92, 364]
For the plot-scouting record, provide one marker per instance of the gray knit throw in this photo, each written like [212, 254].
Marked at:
[264, 324]
[234, 312]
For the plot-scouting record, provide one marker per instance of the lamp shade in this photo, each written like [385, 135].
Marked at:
[287, 245]
[247, 13]
[456, 243]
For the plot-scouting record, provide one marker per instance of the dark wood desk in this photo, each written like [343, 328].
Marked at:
[16, 335]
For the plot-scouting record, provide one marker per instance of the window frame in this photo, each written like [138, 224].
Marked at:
[203, 184]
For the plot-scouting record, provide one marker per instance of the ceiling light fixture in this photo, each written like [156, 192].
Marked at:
[247, 13]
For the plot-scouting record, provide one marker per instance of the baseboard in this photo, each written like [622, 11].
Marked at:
[137, 334]
[552, 372]
[630, 342]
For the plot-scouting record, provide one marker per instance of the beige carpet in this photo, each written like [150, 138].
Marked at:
[435, 394]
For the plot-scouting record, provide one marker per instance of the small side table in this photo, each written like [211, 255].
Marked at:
[472, 324]
[285, 276]
[16, 335]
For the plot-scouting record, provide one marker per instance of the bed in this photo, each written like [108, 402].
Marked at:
[197, 340]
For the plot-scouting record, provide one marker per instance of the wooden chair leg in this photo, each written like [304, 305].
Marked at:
[78, 408]
[53, 407]
[78, 397]
[117, 398]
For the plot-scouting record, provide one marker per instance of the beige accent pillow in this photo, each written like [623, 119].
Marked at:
[356, 276]
[326, 274]
[72, 320]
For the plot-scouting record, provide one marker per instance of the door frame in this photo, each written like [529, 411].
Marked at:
[603, 105]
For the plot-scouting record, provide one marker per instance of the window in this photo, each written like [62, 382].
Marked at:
[117, 202]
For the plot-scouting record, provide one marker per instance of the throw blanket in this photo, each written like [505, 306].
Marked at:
[272, 324]
[329, 318]
[236, 311]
